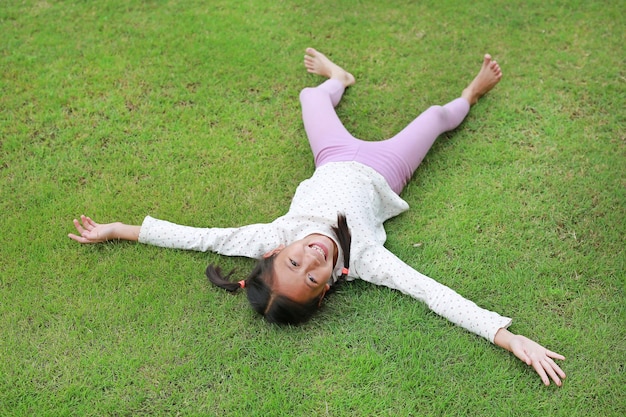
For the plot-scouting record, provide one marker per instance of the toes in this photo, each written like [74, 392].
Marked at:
[495, 67]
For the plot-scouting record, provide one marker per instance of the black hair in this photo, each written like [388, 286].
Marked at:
[345, 240]
[273, 307]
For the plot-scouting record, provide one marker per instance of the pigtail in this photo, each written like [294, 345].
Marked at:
[214, 273]
[345, 239]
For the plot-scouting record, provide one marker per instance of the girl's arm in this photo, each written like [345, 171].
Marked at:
[379, 266]
[92, 232]
[251, 241]
[533, 354]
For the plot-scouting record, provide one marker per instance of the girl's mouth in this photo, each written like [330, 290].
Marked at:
[320, 248]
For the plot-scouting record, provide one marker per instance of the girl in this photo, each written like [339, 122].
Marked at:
[308, 251]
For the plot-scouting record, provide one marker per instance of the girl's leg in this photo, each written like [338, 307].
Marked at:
[329, 139]
[397, 158]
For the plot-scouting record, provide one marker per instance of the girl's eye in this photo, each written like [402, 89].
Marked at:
[312, 279]
[294, 263]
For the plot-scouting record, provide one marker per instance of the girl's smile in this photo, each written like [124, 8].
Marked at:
[303, 269]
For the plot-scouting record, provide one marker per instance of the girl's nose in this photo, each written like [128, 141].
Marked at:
[312, 259]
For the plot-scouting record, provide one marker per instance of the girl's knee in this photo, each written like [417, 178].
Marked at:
[441, 116]
[307, 92]
[437, 111]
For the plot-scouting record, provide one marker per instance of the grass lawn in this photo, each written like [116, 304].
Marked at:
[188, 111]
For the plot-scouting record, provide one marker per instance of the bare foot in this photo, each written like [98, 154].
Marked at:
[317, 63]
[487, 78]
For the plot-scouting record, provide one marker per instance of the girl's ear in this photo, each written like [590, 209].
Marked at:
[273, 252]
[326, 288]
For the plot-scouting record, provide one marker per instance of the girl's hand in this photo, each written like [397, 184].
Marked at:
[92, 232]
[533, 354]
[540, 358]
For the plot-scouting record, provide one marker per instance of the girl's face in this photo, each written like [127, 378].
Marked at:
[302, 269]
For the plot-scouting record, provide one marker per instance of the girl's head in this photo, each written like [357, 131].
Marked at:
[288, 284]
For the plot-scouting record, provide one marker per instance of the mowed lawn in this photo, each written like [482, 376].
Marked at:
[188, 111]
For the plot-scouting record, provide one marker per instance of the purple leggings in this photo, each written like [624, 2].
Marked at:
[395, 159]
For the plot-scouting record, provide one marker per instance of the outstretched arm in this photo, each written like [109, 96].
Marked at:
[92, 232]
[379, 266]
[533, 354]
[251, 241]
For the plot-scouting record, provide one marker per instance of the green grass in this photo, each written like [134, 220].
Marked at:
[188, 111]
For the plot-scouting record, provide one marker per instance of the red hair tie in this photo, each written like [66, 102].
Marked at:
[345, 271]
[242, 283]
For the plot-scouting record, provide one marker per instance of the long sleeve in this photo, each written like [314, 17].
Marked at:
[250, 241]
[379, 266]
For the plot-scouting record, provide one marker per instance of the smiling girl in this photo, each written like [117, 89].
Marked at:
[334, 229]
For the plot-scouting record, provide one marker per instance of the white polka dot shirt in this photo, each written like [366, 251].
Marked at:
[366, 199]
